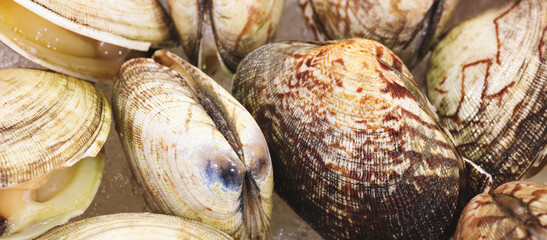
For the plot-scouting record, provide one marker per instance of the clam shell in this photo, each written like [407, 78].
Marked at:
[355, 153]
[488, 80]
[515, 210]
[85, 39]
[239, 26]
[408, 27]
[49, 121]
[112, 21]
[134, 226]
[193, 148]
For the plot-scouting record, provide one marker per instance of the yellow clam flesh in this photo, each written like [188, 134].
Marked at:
[195, 151]
[51, 132]
[135, 226]
[357, 151]
[515, 210]
[408, 28]
[238, 26]
[86, 39]
[488, 80]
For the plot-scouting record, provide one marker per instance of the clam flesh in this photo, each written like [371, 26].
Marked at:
[356, 149]
[407, 27]
[515, 210]
[51, 132]
[488, 80]
[86, 39]
[195, 151]
[135, 226]
[239, 26]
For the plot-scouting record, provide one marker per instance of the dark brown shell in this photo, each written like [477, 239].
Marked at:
[488, 80]
[515, 210]
[354, 153]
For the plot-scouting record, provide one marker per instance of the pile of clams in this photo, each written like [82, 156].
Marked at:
[357, 149]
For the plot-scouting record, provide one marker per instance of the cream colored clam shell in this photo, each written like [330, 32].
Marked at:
[104, 30]
[239, 26]
[48, 121]
[488, 80]
[192, 147]
[128, 23]
[135, 226]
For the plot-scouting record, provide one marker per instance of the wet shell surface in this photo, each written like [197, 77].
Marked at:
[51, 131]
[196, 152]
[49, 121]
[355, 150]
[488, 80]
[135, 226]
[407, 27]
[239, 26]
[515, 210]
[85, 39]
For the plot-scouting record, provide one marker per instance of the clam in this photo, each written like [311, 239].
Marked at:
[408, 27]
[488, 80]
[515, 210]
[86, 39]
[195, 151]
[356, 149]
[51, 132]
[238, 26]
[135, 226]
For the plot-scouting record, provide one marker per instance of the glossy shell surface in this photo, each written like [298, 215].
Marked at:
[49, 121]
[488, 80]
[515, 210]
[239, 26]
[84, 39]
[407, 27]
[194, 149]
[135, 226]
[355, 150]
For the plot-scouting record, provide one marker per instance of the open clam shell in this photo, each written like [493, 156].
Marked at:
[488, 80]
[135, 226]
[407, 27]
[49, 123]
[193, 148]
[356, 151]
[85, 39]
[239, 26]
[515, 210]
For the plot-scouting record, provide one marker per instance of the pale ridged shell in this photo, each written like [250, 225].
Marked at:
[128, 23]
[84, 39]
[407, 27]
[515, 210]
[354, 153]
[488, 80]
[239, 26]
[134, 226]
[168, 120]
[48, 121]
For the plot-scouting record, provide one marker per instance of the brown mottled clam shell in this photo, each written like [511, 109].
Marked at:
[407, 27]
[515, 210]
[355, 153]
[488, 80]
